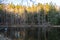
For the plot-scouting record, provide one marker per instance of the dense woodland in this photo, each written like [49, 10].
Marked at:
[18, 14]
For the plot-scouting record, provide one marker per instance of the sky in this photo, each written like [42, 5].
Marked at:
[30, 2]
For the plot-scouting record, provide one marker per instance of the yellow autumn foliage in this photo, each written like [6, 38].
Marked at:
[21, 9]
[46, 8]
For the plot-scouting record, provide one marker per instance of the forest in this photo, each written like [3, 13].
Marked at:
[40, 14]
[18, 13]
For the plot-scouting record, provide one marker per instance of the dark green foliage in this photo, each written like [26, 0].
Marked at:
[53, 16]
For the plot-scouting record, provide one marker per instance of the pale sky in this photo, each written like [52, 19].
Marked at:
[30, 2]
